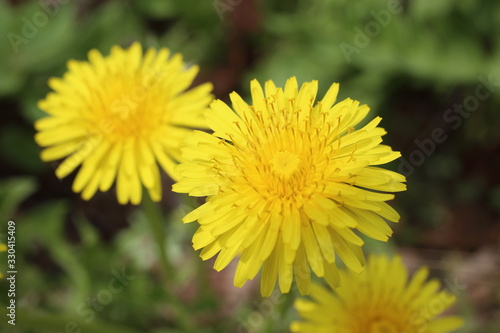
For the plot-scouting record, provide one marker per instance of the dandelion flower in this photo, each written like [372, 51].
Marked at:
[288, 182]
[380, 300]
[121, 117]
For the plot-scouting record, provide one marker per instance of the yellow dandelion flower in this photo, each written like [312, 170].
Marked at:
[287, 182]
[380, 300]
[3, 248]
[119, 117]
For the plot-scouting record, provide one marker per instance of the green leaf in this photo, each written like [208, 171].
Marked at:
[157, 9]
[45, 223]
[20, 150]
[48, 322]
[12, 192]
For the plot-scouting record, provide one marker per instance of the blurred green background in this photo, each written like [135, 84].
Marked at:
[430, 68]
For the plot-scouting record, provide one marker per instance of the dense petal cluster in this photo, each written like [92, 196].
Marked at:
[288, 181]
[119, 117]
[380, 300]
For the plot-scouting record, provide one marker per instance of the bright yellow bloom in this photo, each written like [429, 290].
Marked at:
[119, 117]
[380, 300]
[3, 248]
[288, 181]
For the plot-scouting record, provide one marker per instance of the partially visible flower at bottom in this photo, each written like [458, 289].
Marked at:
[3, 248]
[380, 300]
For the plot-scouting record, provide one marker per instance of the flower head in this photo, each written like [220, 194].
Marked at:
[380, 300]
[288, 180]
[119, 117]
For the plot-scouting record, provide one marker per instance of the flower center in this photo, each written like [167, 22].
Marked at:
[383, 326]
[284, 163]
[128, 109]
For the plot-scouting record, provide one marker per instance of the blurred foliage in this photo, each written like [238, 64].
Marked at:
[425, 57]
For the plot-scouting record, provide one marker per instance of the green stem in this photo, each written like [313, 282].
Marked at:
[156, 223]
[155, 220]
[275, 324]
